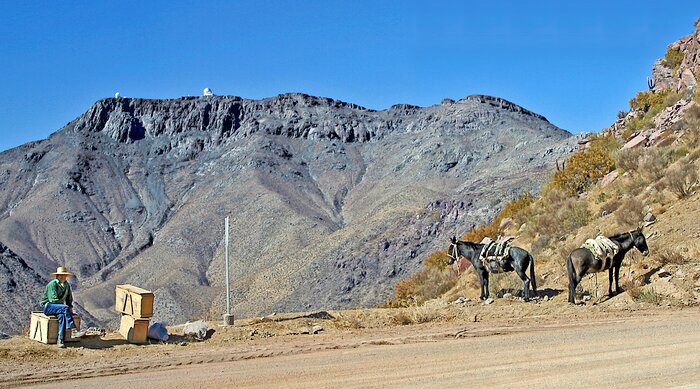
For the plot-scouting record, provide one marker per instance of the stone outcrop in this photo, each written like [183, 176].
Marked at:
[682, 81]
[686, 75]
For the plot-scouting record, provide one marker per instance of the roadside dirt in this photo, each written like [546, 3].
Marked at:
[507, 343]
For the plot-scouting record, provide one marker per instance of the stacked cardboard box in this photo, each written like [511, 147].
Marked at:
[136, 306]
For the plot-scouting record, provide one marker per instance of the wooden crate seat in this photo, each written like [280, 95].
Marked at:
[44, 329]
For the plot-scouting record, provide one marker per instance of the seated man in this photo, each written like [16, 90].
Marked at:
[58, 301]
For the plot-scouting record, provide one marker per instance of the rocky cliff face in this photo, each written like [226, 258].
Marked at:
[330, 203]
[678, 82]
[686, 74]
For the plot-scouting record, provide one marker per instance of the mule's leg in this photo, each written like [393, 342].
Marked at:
[617, 280]
[482, 281]
[486, 285]
[526, 283]
[573, 281]
[610, 282]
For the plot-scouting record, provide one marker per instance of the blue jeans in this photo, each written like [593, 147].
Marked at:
[65, 319]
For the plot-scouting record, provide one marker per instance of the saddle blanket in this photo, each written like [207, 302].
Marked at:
[603, 249]
[492, 254]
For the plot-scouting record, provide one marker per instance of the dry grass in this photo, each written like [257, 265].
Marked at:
[649, 296]
[610, 206]
[671, 256]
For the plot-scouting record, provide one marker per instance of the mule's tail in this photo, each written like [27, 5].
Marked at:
[572, 279]
[532, 275]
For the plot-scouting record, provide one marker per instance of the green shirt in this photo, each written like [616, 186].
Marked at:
[55, 293]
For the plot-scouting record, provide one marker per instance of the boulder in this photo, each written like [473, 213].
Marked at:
[687, 80]
[636, 141]
[610, 177]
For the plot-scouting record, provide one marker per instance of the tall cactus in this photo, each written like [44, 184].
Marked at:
[651, 83]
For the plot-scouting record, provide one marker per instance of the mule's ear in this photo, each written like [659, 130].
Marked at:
[454, 239]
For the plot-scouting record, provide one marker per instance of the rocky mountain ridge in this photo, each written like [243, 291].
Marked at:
[330, 203]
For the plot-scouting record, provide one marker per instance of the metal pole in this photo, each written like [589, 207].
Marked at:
[228, 284]
[228, 317]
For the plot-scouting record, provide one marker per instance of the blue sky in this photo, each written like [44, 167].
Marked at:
[578, 65]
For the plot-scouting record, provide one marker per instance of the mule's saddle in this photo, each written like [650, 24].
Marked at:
[603, 249]
[492, 253]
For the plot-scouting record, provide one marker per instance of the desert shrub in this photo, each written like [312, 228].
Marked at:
[645, 101]
[673, 58]
[627, 160]
[673, 154]
[493, 229]
[601, 197]
[402, 318]
[652, 164]
[540, 244]
[427, 284]
[638, 123]
[350, 321]
[691, 122]
[648, 295]
[573, 214]
[516, 206]
[694, 155]
[610, 207]
[478, 233]
[630, 213]
[682, 178]
[559, 218]
[425, 314]
[650, 103]
[655, 196]
[586, 167]
[672, 256]
[438, 260]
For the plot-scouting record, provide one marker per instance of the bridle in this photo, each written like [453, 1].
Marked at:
[453, 253]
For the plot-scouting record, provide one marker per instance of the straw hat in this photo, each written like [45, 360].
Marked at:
[62, 271]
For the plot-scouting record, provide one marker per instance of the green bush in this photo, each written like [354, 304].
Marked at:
[644, 101]
[673, 59]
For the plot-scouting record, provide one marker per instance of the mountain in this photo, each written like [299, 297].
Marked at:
[330, 203]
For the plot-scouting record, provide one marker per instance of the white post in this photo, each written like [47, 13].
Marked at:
[228, 318]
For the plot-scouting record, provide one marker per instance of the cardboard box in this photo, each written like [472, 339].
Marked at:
[44, 328]
[134, 330]
[134, 301]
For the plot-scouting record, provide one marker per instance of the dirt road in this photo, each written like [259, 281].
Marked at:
[657, 349]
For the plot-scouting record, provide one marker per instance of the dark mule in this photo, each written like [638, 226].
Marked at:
[582, 261]
[517, 260]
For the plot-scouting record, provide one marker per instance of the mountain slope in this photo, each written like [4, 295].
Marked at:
[330, 203]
